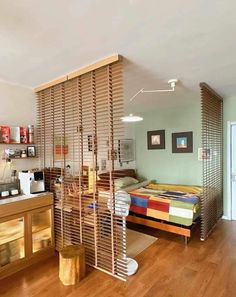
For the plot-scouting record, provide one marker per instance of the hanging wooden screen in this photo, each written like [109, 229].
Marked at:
[79, 128]
[212, 144]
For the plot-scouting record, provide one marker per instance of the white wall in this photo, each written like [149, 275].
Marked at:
[17, 108]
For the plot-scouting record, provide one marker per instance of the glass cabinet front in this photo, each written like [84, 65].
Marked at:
[41, 230]
[12, 247]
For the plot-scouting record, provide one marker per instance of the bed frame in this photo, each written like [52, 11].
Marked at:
[185, 231]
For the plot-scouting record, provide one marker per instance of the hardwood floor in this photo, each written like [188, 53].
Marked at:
[167, 268]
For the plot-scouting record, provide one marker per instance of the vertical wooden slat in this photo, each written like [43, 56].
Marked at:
[52, 126]
[212, 139]
[94, 162]
[62, 165]
[111, 161]
[81, 148]
[87, 107]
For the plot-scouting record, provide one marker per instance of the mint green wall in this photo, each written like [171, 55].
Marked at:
[229, 115]
[162, 165]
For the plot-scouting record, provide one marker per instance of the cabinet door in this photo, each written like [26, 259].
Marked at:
[12, 243]
[41, 224]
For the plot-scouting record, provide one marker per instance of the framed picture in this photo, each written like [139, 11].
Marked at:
[61, 148]
[156, 140]
[10, 153]
[31, 151]
[204, 154]
[182, 142]
[126, 150]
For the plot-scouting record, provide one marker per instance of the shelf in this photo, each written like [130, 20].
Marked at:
[39, 229]
[28, 144]
[11, 239]
[46, 231]
[24, 158]
[42, 239]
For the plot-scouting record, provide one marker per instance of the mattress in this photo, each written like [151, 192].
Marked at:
[168, 205]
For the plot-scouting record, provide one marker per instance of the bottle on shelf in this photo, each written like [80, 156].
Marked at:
[31, 133]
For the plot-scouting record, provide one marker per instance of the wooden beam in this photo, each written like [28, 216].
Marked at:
[159, 225]
[206, 86]
[104, 62]
[51, 83]
[109, 60]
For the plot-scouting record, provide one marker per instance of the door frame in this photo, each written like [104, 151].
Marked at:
[229, 161]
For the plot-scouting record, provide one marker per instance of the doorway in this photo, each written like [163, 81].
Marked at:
[231, 152]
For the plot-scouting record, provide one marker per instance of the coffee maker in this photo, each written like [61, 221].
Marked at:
[31, 182]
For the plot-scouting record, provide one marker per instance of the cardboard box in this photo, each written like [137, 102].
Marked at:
[24, 135]
[5, 134]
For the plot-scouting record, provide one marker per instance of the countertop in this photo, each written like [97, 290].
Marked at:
[18, 198]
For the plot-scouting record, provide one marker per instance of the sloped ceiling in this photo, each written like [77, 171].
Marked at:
[191, 40]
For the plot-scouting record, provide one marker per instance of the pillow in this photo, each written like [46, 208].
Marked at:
[125, 181]
[133, 187]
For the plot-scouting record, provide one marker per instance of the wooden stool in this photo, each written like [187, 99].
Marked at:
[72, 267]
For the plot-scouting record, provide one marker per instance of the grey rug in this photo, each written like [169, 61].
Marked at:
[138, 242]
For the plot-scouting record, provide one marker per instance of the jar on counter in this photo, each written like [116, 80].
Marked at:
[31, 133]
[23, 154]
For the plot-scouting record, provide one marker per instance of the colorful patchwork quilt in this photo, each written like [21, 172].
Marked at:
[172, 206]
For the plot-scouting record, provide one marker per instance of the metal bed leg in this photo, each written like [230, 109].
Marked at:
[186, 240]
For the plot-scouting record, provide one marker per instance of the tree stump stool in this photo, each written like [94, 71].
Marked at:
[72, 268]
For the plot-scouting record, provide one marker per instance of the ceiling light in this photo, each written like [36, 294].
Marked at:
[131, 118]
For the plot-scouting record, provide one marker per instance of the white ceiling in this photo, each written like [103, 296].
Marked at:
[191, 40]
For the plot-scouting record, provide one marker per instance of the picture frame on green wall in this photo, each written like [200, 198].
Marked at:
[182, 142]
[204, 154]
[156, 140]
[126, 150]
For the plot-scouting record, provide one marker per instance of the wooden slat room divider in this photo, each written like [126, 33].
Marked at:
[78, 131]
[212, 143]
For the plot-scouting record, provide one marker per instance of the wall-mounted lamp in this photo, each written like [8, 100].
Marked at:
[132, 118]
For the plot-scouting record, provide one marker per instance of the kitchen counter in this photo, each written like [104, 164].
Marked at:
[13, 205]
[21, 197]
[26, 231]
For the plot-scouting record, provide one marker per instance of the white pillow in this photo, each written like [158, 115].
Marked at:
[125, 181]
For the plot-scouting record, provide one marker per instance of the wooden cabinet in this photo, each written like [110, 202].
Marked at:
[41, 229]
[12, 242]
[26, 233]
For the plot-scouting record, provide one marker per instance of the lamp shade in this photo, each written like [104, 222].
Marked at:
[131, 118]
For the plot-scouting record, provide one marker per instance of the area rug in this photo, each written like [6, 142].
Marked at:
[137, 242]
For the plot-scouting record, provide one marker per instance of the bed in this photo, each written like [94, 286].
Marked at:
[172, 208]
